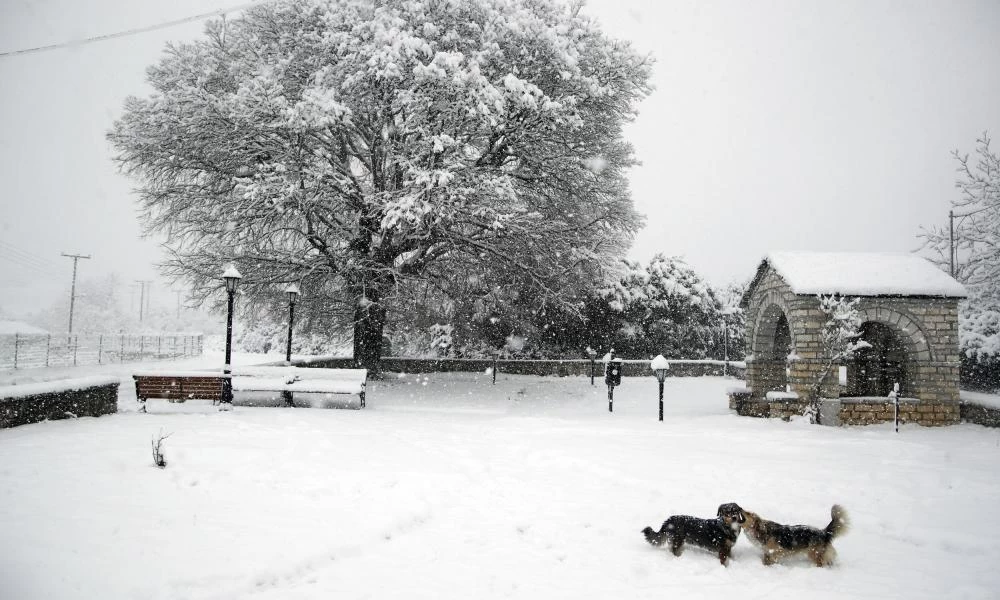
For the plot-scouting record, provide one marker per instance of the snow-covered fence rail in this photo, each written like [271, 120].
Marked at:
[25, 351]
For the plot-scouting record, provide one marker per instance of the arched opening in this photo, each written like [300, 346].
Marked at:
[877, 367]
[772, 345]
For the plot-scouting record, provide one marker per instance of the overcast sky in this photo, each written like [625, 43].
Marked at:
[775, 125]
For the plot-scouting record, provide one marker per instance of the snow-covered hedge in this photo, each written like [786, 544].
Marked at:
[51, 400]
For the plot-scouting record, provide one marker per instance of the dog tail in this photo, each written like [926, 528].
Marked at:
[655, 538]
[840, 524]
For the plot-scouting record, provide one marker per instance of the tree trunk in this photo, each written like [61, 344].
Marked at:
[369, 322]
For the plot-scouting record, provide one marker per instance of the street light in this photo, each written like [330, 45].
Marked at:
[232, 278]
[660, 367]
[293, 294]
[593, 356]
[725, 345]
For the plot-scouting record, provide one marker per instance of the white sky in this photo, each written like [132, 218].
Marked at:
[775, 125]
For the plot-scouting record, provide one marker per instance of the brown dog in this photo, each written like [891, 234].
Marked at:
[778, 541]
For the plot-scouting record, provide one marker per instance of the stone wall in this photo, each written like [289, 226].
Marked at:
[988, 416]
[877, 410]
[559, 368]
[859, 411]
[86, 402]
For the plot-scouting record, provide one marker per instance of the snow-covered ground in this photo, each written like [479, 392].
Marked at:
[449, 487]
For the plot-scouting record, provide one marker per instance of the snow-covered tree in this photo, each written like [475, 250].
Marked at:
[663, 307]
[840, 337]
[359, 147]
[976, 261]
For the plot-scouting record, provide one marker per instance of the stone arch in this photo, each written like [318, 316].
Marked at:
[899, 345]
[762, 336]
[770, 346]
[910, 330]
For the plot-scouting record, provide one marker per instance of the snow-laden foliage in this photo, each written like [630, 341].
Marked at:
[976, 260]
[662, 307]
[841, 338]
[361, 148]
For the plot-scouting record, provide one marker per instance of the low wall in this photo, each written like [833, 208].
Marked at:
[853, 411]
[560, 368]
[988, 416]
[69, 398]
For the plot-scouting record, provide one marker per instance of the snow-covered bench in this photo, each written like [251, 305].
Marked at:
[178, 386]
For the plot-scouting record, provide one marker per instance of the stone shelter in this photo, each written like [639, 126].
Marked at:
[909, 309]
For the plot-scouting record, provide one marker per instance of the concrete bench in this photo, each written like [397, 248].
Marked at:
[179, 386]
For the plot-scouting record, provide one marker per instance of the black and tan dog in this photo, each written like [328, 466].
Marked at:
[779, 541]
[717, 535]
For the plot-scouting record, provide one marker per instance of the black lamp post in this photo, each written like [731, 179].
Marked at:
[660, 367]
[232, 278]
[293, 294]
[593, 356]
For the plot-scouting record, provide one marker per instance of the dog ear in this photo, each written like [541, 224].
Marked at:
[722, 509]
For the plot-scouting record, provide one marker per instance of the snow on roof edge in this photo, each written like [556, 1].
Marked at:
[860, 274]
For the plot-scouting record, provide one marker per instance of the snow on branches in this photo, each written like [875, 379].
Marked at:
[360, 147]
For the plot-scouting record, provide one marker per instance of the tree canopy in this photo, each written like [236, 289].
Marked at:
[359, 147]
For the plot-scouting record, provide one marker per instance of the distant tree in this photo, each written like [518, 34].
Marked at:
[977, 261]
[663, 307]
[364, 148]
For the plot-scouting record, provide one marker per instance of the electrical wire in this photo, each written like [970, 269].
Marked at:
[134, 31]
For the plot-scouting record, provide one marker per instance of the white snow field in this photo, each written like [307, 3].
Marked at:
[449, 487]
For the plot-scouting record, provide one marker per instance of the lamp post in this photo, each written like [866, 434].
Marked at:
[293, 294]
[593, 356]
[725, 337]
[232, 278]
[660, 367]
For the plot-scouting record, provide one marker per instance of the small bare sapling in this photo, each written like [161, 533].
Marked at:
[158, 459]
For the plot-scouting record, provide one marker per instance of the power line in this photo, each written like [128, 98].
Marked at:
[18, 252]
[134, 31]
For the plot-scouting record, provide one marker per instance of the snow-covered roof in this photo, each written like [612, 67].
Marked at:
[12, 327]
[861, 274]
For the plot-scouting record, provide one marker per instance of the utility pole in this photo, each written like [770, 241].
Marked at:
[72, 290]
[143, 300]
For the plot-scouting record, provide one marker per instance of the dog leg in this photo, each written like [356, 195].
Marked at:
[724, 555]
[768, 558]
[677, 546]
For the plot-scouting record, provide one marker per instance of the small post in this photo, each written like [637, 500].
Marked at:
[660, 366]
[100, 347]
[48, 344]
[121, 351]
[593, 362]
[661, 400]
[76, 344]
[895, 404]
[16, 340]
[159, 346]
[142, 346]
[612, 377]
[496, 361]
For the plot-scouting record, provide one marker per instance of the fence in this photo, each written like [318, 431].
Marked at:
[25, 351]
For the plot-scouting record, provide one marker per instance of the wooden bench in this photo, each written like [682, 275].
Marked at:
[180, 386]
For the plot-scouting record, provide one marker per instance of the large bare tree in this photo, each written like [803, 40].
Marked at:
[357, 146]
